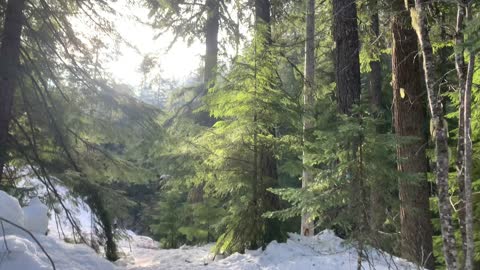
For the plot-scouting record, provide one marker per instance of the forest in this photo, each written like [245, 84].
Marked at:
[361, 117]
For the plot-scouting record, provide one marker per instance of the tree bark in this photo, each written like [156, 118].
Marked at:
[347, 78]
[211, 42]
[263, 19]
[9, 62]
[347, 63]
[461, 75]
[267, 164]
[377, 200]
[439, 135]
[375, 78]
[409, 121]
[211, 59]
[469, 233]
[307, 225]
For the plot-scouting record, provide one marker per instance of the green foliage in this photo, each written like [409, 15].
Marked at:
[171, 211]
[336, 172]
[249, 106]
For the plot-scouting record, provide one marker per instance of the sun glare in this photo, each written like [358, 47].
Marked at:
[137, 39]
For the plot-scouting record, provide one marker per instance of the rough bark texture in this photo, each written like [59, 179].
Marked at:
[211, 57]
[439, 135]
[375, 78]
[9, 61]
[347, 63]
[377, 214]
[347, 71]
[307, 226]
[469, 233]
[409, 121]
[211, 42]
[461, 75]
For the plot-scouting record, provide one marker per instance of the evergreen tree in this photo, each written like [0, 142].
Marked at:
[409, 122]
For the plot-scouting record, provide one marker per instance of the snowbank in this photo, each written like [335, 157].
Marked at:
[10, 209]
[26, 255]
[58, 225]
[36, 216]
[22, 253]
[324, 251]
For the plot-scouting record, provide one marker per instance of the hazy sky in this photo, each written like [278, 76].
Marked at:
[176, 64]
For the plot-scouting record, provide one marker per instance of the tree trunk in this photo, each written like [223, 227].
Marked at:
[211, 42]
[9, 61]
[439, 135]
[409, 121]
[377, 200]
[211, 60]
[347, 63]
[461, 74]
[307, 226]
[469, 233]
[263, 19]
[209, 77]
[347, 78]
[267, 164]
[375, 78]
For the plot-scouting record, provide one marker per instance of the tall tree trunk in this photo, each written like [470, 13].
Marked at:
[377, 200]
[211, 42]
[263, 19]
[9, 61]
[347, 63]
[211, 60]
[375, 78]
[469, 234]
[461, 75]
[209, 76]
[267, 163]
[307, 226]
[347, 78]
[439, 135]
[409, 121]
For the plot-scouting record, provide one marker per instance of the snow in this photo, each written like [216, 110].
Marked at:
[58, 224]
[324, 251]
[20, 251]
[36, 216]
[10, 209]
[25, 254]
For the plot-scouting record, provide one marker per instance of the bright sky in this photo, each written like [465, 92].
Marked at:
[178, 63]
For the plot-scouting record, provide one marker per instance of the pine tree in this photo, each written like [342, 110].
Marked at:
[307, 226]
[9, 62]
[409, 121]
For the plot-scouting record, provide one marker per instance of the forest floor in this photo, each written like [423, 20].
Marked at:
[19, 251]
[324, 251]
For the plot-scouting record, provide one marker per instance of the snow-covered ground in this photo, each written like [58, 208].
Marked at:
[19, 251]
[324, 251]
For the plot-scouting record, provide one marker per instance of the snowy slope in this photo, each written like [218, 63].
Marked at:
[58, 224]
[324, 251]
[26, 255]
[19, 251]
